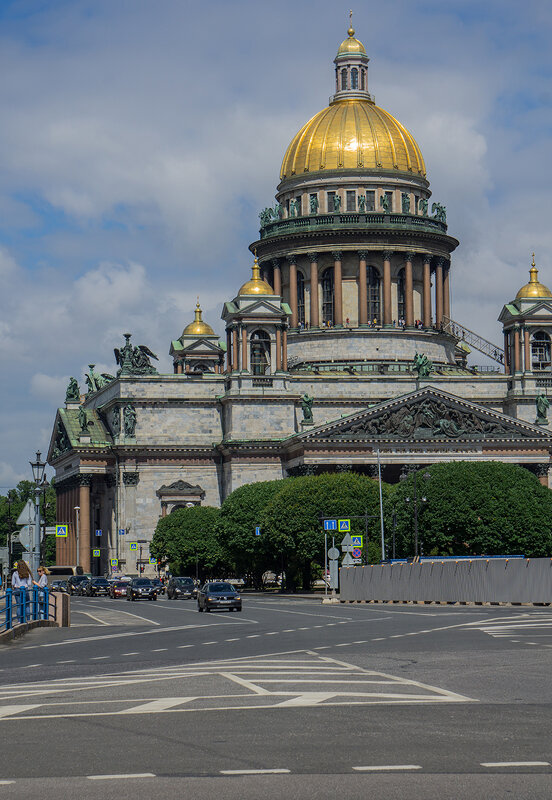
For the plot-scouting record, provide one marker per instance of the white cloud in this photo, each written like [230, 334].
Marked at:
[9, 477]
[49, 387]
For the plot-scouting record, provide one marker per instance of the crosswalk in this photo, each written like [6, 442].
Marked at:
[297, 679]
[532, 629]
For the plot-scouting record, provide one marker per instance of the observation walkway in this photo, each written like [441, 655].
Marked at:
[472, 339]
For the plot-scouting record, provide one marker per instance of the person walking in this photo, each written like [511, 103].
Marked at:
[42, 584]
[21, 582]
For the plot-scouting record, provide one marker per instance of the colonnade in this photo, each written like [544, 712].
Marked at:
[517, 350]
[439, 266]
[238, 346]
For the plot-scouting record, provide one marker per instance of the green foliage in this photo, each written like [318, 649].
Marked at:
[485, 508]
[186, 535]
[13, 503]
[292, 526]
[240, 514]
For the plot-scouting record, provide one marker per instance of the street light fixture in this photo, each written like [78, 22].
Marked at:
[426, 476]
[76, 509]
[38, 468]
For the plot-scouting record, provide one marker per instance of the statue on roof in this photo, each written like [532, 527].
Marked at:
[95, 382]
[439, 212]
[422, 365]
[134, 360]
[385, 202]
[72, 393]
[129, 419]
[83, 421]
[306, 407]
[543, 404]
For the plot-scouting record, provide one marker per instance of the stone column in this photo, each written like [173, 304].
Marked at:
[244, 359]
[235, 350]
[387, 310]
[84, 522]
[439, 292]
[163, 509]
[446, 292]
[408, 290]
[278, 349]
[362, 289]
[527, 345]
[517, 351]
[292, 259]
[284, 349]
[338, 289]
[277, 277]
[506, 352]
[314, 314]
[541, 471]
[426, 314]
[228, 350]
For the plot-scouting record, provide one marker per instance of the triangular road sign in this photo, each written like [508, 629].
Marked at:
[347, 541]
[348, 561]
[27, 514]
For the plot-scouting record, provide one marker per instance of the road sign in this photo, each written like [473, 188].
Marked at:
[96, 553]
[344, 525]
[98, 532]
[61, 530]
[333, 553]
[122, 531]
[347, 541]
[26, 537]
[357, 561]
[27, 515]
[356, 552]
[153, 560]
[133, 545]
[357, 541]
[113, 562]
[258, 530]
[334, 574]
[330, 524]
[347, 560]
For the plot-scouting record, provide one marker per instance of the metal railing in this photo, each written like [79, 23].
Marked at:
[351, 219]
[473, 339]
[24, 605]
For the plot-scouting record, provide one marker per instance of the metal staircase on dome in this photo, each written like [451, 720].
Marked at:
[462, 333]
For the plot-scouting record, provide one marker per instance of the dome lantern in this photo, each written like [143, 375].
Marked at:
[351, 70]
[534, 289]
[198, 327]
[256, 285]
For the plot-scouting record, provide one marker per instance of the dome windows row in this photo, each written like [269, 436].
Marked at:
[351, 78]
[360, 200]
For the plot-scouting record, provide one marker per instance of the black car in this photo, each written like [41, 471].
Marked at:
[141, 589]
[218, 594]
[181, 587]
[59, 586]
[74, 583]
[158, 585]
[97, 586]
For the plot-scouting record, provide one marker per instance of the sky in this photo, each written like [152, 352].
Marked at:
[139, 139]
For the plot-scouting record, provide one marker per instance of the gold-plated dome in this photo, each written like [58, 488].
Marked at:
[198, 327]
[256, 285]
[534, 289]
[351, 46]
[352, 134]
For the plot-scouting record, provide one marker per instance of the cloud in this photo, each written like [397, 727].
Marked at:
[9, 477]
[49, 387]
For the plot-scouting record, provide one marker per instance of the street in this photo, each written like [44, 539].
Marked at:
[290, 696]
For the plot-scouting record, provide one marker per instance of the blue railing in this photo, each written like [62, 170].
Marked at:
[23, 605]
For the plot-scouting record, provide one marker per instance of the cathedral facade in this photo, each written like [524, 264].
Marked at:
[340, 346]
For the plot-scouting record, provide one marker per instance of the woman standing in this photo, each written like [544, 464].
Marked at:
[21, 582]
[42, 584]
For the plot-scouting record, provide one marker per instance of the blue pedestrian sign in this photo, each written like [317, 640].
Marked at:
[98, 532]
[258, 530]
[330, 524]
[357, 541]
[133, 545]
[122, 531]
[61, 530]
[96, 553]
[344, 525]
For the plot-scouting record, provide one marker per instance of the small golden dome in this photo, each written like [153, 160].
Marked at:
[256, 285]
[534, 289]
[198, 327]
[351, 46]
[352, 134]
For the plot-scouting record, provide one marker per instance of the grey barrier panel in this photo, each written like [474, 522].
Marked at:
[486, 581]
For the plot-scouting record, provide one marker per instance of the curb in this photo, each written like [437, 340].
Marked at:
[21, 629]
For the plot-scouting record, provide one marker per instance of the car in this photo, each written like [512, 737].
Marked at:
[59, 586]
[159, 586]
[141, 589]
[82, 587]
[218, 594]
[74, 582]
[97, 586]
[118, 589]
[181, 587]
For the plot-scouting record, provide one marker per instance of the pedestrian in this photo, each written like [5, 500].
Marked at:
[21, 583]
[42, 583]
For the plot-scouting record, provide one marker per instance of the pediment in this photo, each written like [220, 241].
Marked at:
[60, 441]
[543, 308]
[426, 415]
[262, 307]
[180, 488]
[203, 345]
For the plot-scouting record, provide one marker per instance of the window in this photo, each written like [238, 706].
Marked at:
[400, 295]
[354, 78]
[374, 306]
[351, 200]
[300, 297]
[416, 201]
[389, 198]
[331, 202]
[260, 352]
[362, 79]
[298, 206]
[343, 80]
[328, 297]
[370, 201]
[540, 350]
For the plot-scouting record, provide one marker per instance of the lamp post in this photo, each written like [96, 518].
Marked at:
[9, 531]
[77, 511]
[38, 468]
[426, 476]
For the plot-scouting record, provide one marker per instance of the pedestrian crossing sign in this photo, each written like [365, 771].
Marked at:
[114, 562]
[153, 560]
[344, 525]
[133, 545]
[96, 553]
[61, 530]
[357, 541]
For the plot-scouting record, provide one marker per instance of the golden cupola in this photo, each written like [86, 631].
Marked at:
[256, 285]
[198, 327]
[534, 289]
[352, 133]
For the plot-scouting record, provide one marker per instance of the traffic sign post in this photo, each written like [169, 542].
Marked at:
[98, 532]
[114, 562]
[357, 541]
[122, 531]
[153, 560]
[258, 530]
[96, 553]
[330, 524]
[61, 531]
[133, 545]
[344, 525]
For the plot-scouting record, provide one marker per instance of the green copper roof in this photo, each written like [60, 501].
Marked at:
[99, 437]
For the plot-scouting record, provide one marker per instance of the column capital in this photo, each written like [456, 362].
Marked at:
[363, 254]
[387, 254]
[275, 262]
[131, 478]
[409, 256]
[427, 258]
[337, 255]
[440, 262]
[291, 258]
[312, 257]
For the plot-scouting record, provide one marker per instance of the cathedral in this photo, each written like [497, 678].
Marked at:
[340, 348]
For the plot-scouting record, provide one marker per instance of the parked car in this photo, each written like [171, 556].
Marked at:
[218, 594]
[141, 589]
[97, 586]
[82, 587]
[118, 589]
[181, 588]
[74, 582]
[158, 585]
[59, 586]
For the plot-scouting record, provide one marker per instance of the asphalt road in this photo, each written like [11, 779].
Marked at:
[289, 697]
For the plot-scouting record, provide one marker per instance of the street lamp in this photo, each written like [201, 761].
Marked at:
[76, 509]
[426, 476]
[38, 468]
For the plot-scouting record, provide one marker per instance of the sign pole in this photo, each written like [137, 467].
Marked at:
[381, 509]
[325, 564]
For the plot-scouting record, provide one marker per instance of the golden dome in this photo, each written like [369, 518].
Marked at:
[351, 46]
[198, 327]
[256, 285]
[352, 134]
[534, 289]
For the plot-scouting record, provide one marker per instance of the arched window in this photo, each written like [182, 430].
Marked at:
[362, 79]
[540, 350]
[328, 297]
[354, 78]
[343, 80]
[300, 297]
[374, 304]
[260, 352]
[400, 295]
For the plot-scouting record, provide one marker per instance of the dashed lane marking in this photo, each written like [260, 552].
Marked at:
[387, 767]
[126, 776]
[515, 764]
[254, 771]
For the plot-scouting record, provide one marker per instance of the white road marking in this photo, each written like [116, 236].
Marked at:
[254, 771]
[99, 658]
[120, 777]
[88, 614]
[184, 646]
[515, 764]
[6, 783]
[70, 661]
[130, 654]
[7, 711]
[387, 767]
[160, 650]
[232, 640]
[155, 706]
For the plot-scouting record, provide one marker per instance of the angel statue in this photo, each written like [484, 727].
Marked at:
[134, 360]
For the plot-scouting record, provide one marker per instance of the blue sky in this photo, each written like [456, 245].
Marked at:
[140, 139]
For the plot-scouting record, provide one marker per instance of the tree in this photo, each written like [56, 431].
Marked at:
[13, 503]
[186, 539]
[292, 524]
[240, 515]
[488, 508]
